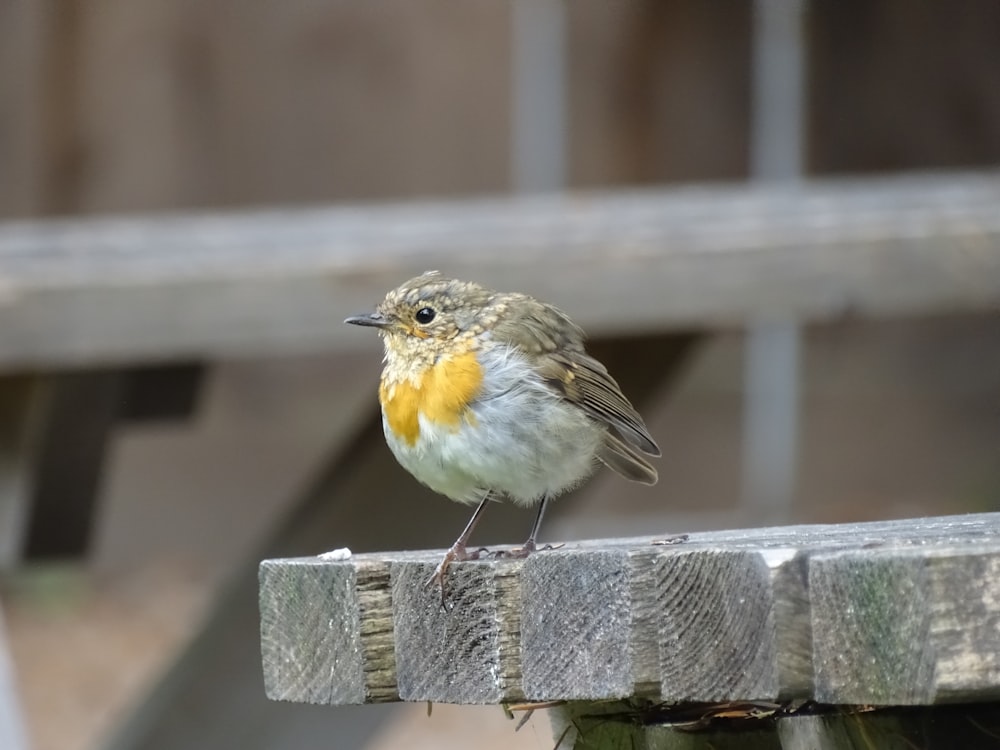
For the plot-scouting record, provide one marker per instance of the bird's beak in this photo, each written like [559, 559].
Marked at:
[374, 320]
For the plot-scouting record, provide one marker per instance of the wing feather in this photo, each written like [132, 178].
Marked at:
[547, 335]
[621, 457]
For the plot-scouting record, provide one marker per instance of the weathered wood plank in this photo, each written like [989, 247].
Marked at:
[717, 639]
[448, 655]
[156, 288]
[307, 636]
[900, 612]
[583, 598]
[906, 627]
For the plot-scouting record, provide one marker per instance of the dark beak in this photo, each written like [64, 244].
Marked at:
[374, 320]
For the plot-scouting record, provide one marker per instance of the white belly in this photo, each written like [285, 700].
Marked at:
[522, 440]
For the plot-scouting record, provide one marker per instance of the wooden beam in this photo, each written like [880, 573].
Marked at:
[586, 726]
[161, 392]
[54, 431]
[196, 287]
[23, 408]
[889, 613]
[81, 413]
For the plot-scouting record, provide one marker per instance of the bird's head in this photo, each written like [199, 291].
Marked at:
[429, 315]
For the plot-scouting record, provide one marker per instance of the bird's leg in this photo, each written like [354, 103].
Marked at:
[531, 544]
[458, 551]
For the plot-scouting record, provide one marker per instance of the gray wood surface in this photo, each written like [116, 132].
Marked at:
[169, 287]
[889, 613]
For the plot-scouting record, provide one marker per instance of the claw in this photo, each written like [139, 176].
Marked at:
[457, 553]
[519, 553]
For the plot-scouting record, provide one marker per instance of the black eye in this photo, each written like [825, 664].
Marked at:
[424, 315]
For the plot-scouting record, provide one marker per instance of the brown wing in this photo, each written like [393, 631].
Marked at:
[546, 334]
[586, 382]
[618, 455]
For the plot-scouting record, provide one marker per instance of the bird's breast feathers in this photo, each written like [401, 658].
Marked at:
[441, 394]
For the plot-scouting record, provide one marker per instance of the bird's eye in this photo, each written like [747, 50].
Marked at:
[425, 315]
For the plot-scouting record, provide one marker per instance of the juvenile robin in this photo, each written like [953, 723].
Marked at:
[488, 395]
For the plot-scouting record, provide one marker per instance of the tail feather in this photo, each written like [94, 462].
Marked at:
[621, 457]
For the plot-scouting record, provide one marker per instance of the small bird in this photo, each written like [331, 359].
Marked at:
[487, 395]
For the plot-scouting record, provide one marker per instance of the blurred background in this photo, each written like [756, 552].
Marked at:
[138, 496]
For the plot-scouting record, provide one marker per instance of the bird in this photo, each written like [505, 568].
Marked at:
[490, 395]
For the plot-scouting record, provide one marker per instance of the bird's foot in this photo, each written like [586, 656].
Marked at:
[519, 553]
[456, 553]
[459, 553]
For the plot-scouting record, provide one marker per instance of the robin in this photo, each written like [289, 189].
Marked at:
[487, 395]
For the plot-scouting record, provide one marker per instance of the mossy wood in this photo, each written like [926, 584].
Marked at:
[888, 613]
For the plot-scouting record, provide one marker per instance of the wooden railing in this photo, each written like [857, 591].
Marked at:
[142, 289]
[754, 623]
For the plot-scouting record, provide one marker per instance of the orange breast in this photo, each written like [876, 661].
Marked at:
[442, 395]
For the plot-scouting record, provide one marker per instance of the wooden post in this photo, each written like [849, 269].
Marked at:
[23, 408]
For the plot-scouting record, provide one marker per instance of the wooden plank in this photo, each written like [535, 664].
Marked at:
[716, 633]
[468, 669]
[293, 626]
[158, 288]
[584, 596]
[906, 626]
[883, 613]
[630, 726]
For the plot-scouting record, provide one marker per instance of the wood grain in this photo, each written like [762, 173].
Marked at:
[312, 636]
[717, 630]
[448, 654]
[196, 286]
[575, 626]
[888, 613]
